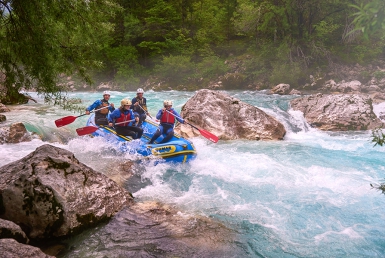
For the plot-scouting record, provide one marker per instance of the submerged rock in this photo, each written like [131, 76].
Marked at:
[228, 118]
[49, 193]
[340, 112]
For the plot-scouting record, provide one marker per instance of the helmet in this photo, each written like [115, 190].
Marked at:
[140, 90]
[125, 102]
[167, 103]
[106, 92]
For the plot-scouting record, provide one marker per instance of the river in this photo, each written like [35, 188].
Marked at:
[306, 196]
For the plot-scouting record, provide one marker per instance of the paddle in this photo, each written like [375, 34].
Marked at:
[204, 133]
[91, 129]
[146, 112]
[69, 119]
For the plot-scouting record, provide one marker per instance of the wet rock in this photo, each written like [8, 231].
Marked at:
[49, 193]
[14, 134]
[228, 118]
[8, 229]
[340, 112]
[10, 248]
[2, 118]
[281, 89]
[151, 229]
[3, 108]
[295, 92]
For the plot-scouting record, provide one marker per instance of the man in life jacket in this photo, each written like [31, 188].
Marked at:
[139, 105]
[167, 116]
[123, 120]
[102, 107]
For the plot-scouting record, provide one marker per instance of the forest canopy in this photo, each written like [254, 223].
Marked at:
[183, 44]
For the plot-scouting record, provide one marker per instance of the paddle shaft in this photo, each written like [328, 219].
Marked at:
[183, 119]
[204, 133]
[145, 111]
[128, 121]
[91, 129]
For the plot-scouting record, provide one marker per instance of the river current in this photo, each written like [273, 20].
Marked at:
[306, 196]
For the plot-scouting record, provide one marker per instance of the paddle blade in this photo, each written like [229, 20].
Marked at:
[86, 130]
[65, 121]
[209, 135]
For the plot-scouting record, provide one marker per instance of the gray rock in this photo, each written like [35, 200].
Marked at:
[282, 89]
[340, 112]
[8, 229]
[2, 118]
[228, 118]
[10, 248]
[49, 193]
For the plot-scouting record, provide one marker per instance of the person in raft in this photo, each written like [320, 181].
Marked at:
[139, 105]
[167, 116]
[104, 107]
[122, 119]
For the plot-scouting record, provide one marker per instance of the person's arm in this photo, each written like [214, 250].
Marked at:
[133, 101]
[111, 107]
[136, 115]
[178, 117]
[111, 117]
[159, 115]
[93, 106]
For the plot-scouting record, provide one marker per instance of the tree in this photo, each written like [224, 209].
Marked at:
[43, 39]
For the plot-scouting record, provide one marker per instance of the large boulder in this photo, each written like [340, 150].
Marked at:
[340, 112]
[228, 118]
[281, 89]
[10, 248]
[49, 193]
[14, 134]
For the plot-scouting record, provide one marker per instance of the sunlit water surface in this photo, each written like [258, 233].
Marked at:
[306, 196]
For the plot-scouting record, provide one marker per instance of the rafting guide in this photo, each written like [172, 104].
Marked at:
[139, 106]
[102, 107]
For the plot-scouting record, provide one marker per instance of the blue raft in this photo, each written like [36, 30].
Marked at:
[178, 149]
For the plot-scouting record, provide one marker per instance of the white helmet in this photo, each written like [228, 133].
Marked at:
[140, 90]
[167, 103]
[125, 102]
[106, 92]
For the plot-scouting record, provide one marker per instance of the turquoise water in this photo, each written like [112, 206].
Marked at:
[306, 196]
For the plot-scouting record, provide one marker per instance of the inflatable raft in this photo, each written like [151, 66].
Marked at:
[178, 149]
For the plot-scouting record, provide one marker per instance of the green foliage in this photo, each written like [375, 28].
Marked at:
[175, 69]
[379, 75]
[211, 67]
[286, 73]
[40, 39]
[370, 17]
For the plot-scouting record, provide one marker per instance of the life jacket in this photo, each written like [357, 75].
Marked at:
[142, 103]
[123, 118]
[103, 111]
[167, 118]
